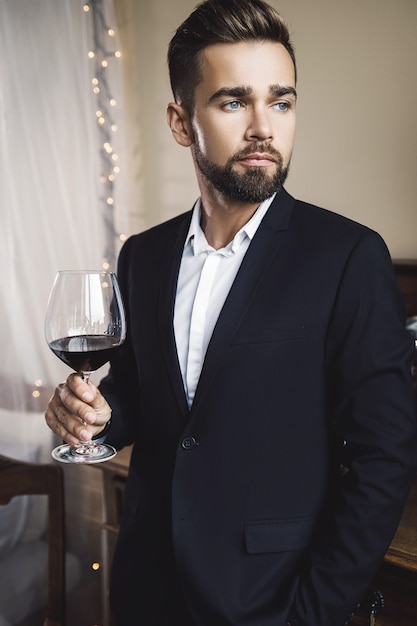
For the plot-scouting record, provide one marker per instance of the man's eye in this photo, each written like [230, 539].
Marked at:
[282, 106]
[232, 106]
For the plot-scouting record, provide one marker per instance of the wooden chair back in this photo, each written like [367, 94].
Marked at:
[19, 478]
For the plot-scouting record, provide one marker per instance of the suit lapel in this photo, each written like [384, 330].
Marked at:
[263, 248]
[167, 291]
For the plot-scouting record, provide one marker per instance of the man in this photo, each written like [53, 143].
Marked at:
[265, 381]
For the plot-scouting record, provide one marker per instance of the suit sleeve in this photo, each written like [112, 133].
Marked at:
[372, 412]
[120, 386]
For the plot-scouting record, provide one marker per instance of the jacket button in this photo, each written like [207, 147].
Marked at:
[188, 443]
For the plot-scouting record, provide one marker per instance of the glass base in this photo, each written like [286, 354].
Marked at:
[84, 453]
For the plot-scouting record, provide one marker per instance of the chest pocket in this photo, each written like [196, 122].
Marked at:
[268, 335]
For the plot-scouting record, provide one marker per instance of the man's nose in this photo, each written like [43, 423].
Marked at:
[260, 126]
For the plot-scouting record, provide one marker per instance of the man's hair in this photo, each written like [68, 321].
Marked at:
[219, 21]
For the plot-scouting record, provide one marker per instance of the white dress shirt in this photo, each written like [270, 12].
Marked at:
[205, 278]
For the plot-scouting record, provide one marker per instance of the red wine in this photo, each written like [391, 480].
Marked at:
[84, 353]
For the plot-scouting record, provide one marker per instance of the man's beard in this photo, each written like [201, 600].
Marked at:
[254, 185]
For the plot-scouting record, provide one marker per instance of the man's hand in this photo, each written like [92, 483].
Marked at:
[77, 411]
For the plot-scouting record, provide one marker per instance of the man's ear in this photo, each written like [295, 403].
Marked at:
[180, 124]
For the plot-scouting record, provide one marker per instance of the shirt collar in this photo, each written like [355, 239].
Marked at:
[198, 242]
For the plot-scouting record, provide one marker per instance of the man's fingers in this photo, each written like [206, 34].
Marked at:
[64, 424]
[76, 407]
[71, 417]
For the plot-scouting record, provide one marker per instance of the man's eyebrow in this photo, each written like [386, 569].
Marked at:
[242, 91]
[279, 90]
[230, 92]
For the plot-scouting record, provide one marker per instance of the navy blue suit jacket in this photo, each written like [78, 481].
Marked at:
[276, 496]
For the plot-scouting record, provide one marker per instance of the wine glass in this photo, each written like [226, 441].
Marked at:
[84, 324]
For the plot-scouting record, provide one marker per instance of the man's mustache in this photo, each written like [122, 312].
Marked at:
[261, 147]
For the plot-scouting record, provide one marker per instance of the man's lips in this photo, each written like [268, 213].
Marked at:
[260, 159]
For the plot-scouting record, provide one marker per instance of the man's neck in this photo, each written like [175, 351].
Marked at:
[222, 218]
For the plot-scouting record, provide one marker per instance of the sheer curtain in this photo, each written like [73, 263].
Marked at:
[62, 207]
[59, 109]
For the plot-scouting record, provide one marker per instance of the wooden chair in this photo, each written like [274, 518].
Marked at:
[22, 478]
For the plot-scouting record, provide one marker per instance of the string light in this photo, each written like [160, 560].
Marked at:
[103, 55]
[36, 392]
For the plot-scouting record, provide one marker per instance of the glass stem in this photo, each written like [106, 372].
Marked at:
[86, 376]
[85, 446]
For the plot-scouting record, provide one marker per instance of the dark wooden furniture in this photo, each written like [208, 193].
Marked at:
[406, 271]
[114, 473]
[397, 576]
[19, 478]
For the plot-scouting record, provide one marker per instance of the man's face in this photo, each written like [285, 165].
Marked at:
[243, 120]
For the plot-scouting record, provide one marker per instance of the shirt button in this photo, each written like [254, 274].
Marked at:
[188, 443]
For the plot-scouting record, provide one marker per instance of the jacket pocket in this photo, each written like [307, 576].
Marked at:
[278, 536]
[268, 335]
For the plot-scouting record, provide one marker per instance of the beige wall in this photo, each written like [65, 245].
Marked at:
[356, 145]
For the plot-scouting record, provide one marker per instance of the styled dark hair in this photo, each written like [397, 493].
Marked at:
[219, 21]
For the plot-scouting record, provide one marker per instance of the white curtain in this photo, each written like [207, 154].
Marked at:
[61, 207]
[57, 210]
